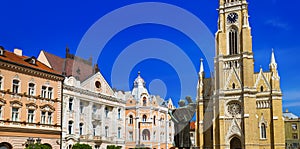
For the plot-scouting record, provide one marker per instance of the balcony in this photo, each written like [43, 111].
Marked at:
[96, 117]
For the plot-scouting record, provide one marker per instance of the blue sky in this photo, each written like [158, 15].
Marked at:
[51, 25]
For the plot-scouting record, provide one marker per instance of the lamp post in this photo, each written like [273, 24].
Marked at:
[30, 141]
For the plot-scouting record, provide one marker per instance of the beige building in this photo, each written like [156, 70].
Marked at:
[30, 101]
[292, 131]
[147, 122]
[238, 108]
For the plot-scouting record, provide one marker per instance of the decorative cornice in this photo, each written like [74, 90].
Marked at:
[90, 93]
[30, 71]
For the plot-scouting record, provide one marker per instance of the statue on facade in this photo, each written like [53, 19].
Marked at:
[181, 118]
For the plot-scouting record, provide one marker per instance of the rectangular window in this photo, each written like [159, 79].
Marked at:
[15, 86]
[94, 130]
[130, 136]
[43, 118]
[1, 80]
[49, 118]
[50, 92]
[0, 112]
[294, 126]
[94, 109]
[81, 106]
[71, 104]
[31, 89]
[44, 92]
[30, 117]
[106, 131]
[15, 114]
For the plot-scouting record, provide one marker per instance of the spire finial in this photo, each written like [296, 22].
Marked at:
[139, 73]
[273, 63]
[201, 66]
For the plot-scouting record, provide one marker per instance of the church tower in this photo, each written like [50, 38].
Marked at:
[238, 108]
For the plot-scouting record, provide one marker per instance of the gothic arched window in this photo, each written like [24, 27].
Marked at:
[144, 118]
[263, 133]
[233, 41]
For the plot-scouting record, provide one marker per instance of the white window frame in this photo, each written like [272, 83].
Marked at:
[15, 114]
[44, 92]
[30, 116]
[17, 85]
[43, 117]
[31, 89]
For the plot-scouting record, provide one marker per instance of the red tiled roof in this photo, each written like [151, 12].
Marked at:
[192, 125]
[22, 60]
[71, 66]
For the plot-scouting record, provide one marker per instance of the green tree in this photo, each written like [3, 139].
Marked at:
[113, 147]
[81, 146]
[38, 146]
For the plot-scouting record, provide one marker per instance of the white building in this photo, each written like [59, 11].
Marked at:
[148, 124]
[92, 114]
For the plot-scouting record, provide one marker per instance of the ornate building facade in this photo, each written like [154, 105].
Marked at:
[30, 101]
[147, 122]
[238, 108]
[92, 114]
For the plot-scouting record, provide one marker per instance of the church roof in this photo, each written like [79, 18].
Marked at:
[289, 115]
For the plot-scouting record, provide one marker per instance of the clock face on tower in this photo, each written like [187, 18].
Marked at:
[232, 17]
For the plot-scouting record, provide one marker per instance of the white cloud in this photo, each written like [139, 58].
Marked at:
[277, 23]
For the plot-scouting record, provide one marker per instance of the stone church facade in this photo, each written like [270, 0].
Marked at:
[238, 108]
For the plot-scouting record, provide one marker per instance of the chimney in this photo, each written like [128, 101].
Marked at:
[18, 52]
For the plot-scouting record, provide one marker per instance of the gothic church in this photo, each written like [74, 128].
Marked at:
[238, 108]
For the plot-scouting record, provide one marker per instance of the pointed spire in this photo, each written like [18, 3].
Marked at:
[201, 66]
[273, 63]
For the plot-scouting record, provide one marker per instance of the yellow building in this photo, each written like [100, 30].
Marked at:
[147, 123]
[238, 108]
[30, 101]
[292, 131]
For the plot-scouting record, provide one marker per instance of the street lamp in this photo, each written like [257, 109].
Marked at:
[30, 141]
[38, 140]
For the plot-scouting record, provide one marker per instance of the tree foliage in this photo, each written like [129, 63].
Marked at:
[113, 147]
[38, 146]
[81, 146]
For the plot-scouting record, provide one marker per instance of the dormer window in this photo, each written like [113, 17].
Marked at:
[1, 51]
[31, 60]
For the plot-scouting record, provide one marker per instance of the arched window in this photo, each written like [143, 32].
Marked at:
[146, 134]
[70, 128]
[119, 113]
[5, 145]
[233, 41]
[144, 101]
[263, 133]
[233, 86]
[154, 119]
[144, 118]
[261, 89]
[70, 104]
[119, 132]
[80, 128]
[130, 119]
[106, 131]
